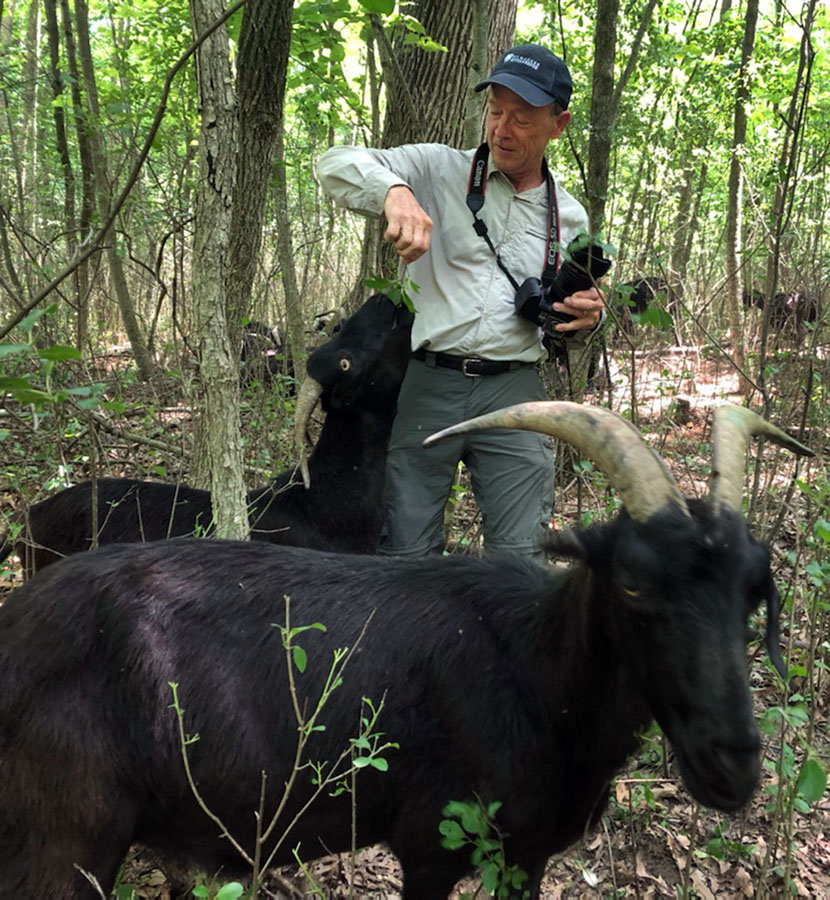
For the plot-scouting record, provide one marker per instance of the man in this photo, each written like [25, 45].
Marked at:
[472, 353]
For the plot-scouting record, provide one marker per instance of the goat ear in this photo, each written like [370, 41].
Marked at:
[592, 545]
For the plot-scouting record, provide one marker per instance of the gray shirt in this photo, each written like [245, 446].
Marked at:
[465, 303]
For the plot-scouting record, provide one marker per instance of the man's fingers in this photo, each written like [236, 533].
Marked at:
[410, 242]
[408, 226]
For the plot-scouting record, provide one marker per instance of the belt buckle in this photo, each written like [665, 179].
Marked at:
[464, 362]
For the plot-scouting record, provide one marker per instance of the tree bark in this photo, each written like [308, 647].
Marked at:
[438, 82]
[220, 427]
[735, 194]
[605, 101]
[263, 62]
[80, 277]
[285, 249]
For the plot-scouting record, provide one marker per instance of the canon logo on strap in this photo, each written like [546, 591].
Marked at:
[479, 169]
[524, 60]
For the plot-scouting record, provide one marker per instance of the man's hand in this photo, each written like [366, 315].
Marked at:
[587, 306]
[409, 227]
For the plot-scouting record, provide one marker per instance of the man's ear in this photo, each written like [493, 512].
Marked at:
[560, 123]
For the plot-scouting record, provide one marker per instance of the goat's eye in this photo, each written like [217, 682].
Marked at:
[345, 364]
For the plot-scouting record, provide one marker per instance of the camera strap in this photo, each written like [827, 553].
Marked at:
[475, 201]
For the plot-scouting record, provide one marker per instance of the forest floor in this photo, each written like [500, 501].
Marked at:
[654, 841]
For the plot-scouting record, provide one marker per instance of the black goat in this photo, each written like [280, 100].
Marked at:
[264, 354]
[637, 296]
[356, 377]
[503, 680]
[789, 311]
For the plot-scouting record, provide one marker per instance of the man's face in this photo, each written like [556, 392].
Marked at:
[518, 134]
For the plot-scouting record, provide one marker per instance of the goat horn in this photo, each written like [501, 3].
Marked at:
[635, 471]
[307, 397]
[731, 429]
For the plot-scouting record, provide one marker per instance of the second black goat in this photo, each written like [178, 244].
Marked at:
[356, 377]
[789, 311]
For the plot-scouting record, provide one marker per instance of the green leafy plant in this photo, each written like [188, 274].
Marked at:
[230, 891]
[471, 823]
[399, 292]
[333, 777]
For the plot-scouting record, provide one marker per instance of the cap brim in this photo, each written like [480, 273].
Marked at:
[527, 91]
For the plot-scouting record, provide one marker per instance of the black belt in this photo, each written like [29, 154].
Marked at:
[469, 365]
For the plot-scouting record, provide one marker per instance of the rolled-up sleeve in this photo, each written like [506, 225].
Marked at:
[357, 178]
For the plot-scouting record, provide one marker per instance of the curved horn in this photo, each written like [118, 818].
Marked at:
[635, 471]
[307, 397]
[731, 429]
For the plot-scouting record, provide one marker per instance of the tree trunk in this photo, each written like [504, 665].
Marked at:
[427, 92]
[103, 193]
[785, 187]
[220, 429]
[437, 83]
[605, 101]
[602, 112]
[735, 202]
[262, 66]
[70, 226]
[285, 248]
[473, 122]
[80, 277]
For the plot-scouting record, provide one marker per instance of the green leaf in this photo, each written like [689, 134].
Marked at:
[59, 352]
[201, 891]
[230, 891]
[28, 323]
[453, 835]
[382, 7]
[362, 761]
[11, 383]
[490, 878]
[13, 349]
[300, 659]
[379, 763]
[812, 782]
[30, 395]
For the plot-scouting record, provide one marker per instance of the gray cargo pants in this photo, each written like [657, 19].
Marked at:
[511, 471]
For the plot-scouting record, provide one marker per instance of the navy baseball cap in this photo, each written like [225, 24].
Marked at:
[534, 73]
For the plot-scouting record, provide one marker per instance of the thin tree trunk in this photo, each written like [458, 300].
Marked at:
[80, 277]
[70, 226]
[473, 122]
[735, 203]
[785, 188]
[285, 248]
[605, 101]
[219, 427]
[103, 192]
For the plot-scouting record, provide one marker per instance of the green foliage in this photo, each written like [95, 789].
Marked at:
[399, 292]
[471, 823]
[230, 891]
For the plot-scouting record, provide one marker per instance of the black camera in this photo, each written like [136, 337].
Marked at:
[584, 264]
